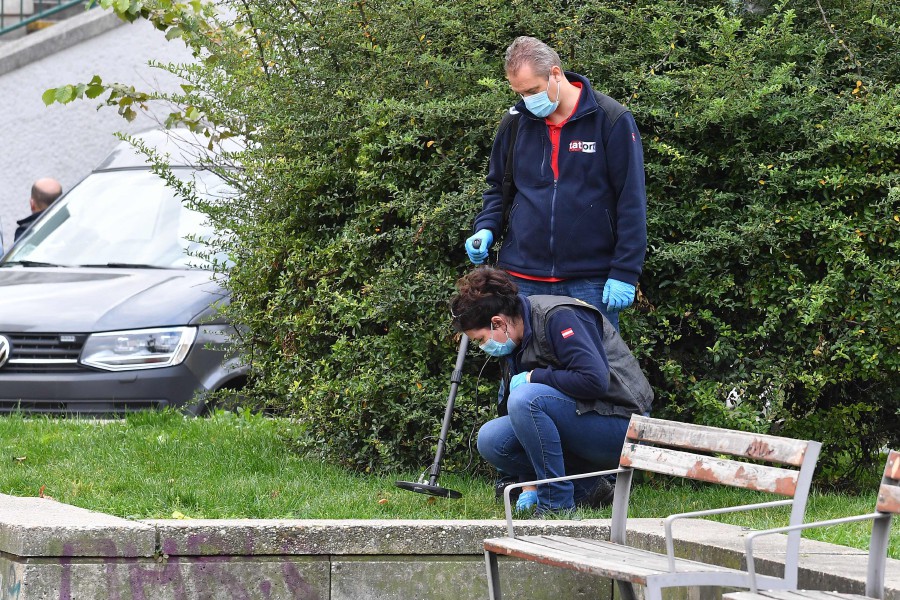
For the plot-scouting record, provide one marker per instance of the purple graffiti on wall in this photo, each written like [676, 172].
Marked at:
[185, 577]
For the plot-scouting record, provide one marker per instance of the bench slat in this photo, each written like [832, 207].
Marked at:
[622, 558]
[606, 559]
[793, 595]
[521, 549]
[714, 470]
[757, 446]
[892, 468]
[888, 499]
[615, 558]
[633, 557]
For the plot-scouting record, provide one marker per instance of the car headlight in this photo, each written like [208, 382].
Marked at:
[138, 349]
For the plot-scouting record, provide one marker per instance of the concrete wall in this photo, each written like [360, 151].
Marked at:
[66, 142]
[51, 551]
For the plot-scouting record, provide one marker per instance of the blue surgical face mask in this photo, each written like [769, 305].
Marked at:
[494, 348]
[539, 104]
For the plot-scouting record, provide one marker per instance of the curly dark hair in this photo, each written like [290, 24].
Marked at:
[483, 293]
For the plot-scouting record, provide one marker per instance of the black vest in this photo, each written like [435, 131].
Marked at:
[629, 391]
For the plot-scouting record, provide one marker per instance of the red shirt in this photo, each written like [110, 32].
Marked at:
[555, 130]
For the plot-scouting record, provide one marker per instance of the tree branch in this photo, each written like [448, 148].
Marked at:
[830, 28]
[262, 54]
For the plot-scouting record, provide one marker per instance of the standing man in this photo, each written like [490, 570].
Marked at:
[577, 225]
[44, 192]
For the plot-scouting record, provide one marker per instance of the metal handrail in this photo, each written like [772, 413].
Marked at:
[61, 6]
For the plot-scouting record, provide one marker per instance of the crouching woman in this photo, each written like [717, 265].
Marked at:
[572, 385]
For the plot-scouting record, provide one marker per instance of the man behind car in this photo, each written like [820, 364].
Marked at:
[44, 192]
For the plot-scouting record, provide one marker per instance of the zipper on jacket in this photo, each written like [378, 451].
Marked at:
[552, 229]
[556, 181]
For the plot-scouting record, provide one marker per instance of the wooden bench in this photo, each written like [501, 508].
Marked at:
[682, 450]
[887, 505]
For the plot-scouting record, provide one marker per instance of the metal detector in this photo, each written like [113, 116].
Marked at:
[431, 487]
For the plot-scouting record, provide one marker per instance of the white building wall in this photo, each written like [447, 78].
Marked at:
[67, 141]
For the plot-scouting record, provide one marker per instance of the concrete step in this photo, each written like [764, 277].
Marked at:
[49, 549]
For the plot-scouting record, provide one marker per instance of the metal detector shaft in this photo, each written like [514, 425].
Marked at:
[455, 380]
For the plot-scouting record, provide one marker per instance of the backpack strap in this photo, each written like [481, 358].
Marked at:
[613, 111]
[508, 188]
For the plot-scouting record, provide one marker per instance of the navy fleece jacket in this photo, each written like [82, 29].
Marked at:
[577, 341]
[591, 222]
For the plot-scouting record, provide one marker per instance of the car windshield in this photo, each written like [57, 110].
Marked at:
[122, 219]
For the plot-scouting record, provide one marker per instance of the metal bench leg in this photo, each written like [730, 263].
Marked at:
[493, 575]
[652, 592]
[626, 590]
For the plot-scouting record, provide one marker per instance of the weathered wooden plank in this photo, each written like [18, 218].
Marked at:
[765, 595]
[606, 549]
[647, 559]
[617, 556]
[761, 595]
[714, 470]
[609, 550]
[792, 595]
[822, 595]
[892, 468]
[617, 560]
[610, 560]
[701, 438]
[888, 499]
[517, 548]
[624, 566]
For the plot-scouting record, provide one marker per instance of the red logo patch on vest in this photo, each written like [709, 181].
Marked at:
[567, 333]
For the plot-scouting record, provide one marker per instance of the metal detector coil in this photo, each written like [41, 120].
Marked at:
[425, 488]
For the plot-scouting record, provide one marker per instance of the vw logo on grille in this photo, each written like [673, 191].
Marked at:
[5, 349]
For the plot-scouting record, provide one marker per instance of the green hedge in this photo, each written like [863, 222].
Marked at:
[769, 297]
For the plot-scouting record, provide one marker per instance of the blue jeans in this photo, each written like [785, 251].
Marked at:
[543, 437]
[589, 289]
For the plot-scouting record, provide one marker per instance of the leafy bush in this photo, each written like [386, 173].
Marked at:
[772, 148]
[773, 273]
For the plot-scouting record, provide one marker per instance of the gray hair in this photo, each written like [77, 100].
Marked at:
[531, 51]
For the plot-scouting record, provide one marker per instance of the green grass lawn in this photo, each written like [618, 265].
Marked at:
[161, 465]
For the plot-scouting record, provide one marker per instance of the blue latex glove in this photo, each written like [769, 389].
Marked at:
[517, 380]
[485, 238]
[527, 501]
[617, 295]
